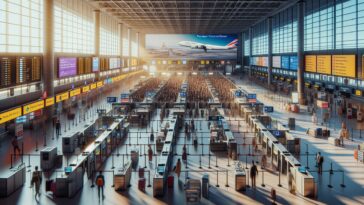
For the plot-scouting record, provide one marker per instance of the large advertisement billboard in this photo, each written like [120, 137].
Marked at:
[67, 67]
[191, 46]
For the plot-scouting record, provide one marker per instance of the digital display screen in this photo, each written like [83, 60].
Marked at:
[344, 65]
[276, 61]
[285, 62]
[67, 67]
[293, 63]
[114, 63]
[310, 63]
[95, 64]
[268, 109]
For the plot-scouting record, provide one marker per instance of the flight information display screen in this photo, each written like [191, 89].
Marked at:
[191, 46]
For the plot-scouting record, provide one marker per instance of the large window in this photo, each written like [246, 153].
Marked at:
[109, 36]
[74, 27]
[21, 26]
[260, 39]
[126, 36]
[246, 44]
[329, 26]
[284, 33]
[134, 45]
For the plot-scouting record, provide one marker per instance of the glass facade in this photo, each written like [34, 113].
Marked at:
[74, 27]
[284, 31]
[126, 36]
[21, 26]
[109, 36]
[134, 44]
[260, 39]
[246, 44]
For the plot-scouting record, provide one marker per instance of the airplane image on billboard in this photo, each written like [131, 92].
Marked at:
[191, 46]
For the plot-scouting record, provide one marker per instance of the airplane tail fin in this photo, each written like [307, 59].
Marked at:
[233, 44]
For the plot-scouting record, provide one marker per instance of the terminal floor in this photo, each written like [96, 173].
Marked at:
[342, 158]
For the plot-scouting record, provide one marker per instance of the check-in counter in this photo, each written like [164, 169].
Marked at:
[69, 143]
[122, 177]
[11, 180]
[48, 157]
[240, 177]
[304, 182]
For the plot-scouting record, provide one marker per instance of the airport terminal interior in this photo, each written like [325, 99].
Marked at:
[178, 102]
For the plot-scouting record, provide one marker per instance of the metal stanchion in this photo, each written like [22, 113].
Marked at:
[217, 179]
[112, 161]
[307, 167]
[279, 178]
[227, 179]
[228, 160]
[113, 179]
[200, 163]
[342, 180]
[263, 185]
[149, 179]
[331, 172]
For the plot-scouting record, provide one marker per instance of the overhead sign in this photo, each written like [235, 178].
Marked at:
[294, 97]
[85, 88]
[344, 65]
[99, 84]
[238, 93]
[310, 63]
[111, 99]
[33, 107]
[322, 104]
[358, 92]
[21, 119]
[93, 86]
[10, 115]
[62, 97]
[252, 96]
[75, 92]
[268, 109]
[324, 64]
[49, 101]
[182, 94]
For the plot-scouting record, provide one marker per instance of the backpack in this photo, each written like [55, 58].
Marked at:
[99, 181]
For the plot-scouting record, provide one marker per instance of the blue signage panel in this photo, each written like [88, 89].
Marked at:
[285, 62]
[21, 119]
[182, 94]
[238, 93]
[277, 133]
[252, 96]
[293, 62]
[111, 99]
[268, 109]
[124, 95]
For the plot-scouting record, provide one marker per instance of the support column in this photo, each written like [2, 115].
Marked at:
[97, 38]
[250, 50]
[270, 56]
[120, 28]
[48, 53]
[300, 52]
[129, 40]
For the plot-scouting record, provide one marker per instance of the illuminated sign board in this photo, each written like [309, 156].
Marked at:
[293, 62]
[276, 61]
[93, 86]
[49, 101]
[10, 115]
[285, 62]
[61, 97]
[324, 64]
[75, 92]
[99, 84]
[33, 107]
[344, 65]
[85, 88]
[310, 63]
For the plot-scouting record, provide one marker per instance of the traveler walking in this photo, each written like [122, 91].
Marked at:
[253, 174]
[100, 182]
[36, 181]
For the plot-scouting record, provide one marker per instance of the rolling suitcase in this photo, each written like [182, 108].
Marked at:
[141, 184]
[170, 181]
[319, 131]
[141, 172]
[48, 185]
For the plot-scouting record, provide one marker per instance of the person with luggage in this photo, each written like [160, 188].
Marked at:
[177, 168]
[58, 127]
[184, 153]
[15, 144]
[253, 174]
[344, 134]
[36, 181]
[320, 163]
[100, 182]
[150, 153]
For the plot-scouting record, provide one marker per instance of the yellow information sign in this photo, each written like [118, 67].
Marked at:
[344, 65]
[75, 92]
[324, 64]
[85, 88]
[202, 62]
[33, 107]
[99, 84]
[310, 63]
[93, 86]
[10, 115]
[358, 92]
[62, 97]
[49, 101]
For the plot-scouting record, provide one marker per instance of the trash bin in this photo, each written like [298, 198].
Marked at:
[205, 186]
[291, 123]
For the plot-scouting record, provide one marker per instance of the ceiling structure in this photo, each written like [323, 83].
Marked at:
[191, 16]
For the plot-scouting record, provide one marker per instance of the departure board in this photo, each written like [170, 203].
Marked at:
[20, 70]
[344, 65]
[276, 61]
[36, 69]
[324, 64]
[5, 72]
[310, 63]
[88, 65]
[285, 62]
[80, 66]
